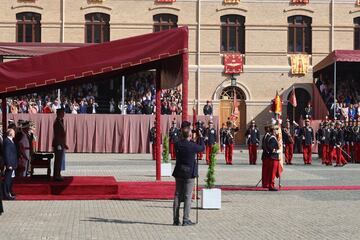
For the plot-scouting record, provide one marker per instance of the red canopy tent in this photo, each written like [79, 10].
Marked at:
[332, 60]
[165, 51]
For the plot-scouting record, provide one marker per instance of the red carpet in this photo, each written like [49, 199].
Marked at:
[106, 188]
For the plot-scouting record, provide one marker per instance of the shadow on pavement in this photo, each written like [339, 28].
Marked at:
[105, 220]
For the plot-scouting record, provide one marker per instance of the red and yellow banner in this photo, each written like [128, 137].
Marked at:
[231, 1]
[299, 64]
[300, 1]
[233, 63]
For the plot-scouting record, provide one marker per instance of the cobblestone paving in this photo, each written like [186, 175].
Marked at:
[244, 215]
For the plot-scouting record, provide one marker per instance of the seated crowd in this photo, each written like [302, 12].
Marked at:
[81, 99]
[347, 106]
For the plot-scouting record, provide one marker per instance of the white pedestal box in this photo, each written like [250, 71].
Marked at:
[211, 198]
[166, 169]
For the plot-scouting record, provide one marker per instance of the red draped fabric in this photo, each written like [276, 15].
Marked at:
[161, 50]
[102, 133]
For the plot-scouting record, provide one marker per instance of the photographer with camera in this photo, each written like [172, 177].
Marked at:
[186, 170]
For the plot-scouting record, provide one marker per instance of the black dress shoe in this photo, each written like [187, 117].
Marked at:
[9, 198]
[273, 189]
[13, 194]
[188, 223]
[176, 223]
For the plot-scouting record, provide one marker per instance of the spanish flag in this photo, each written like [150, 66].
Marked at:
[277, 104]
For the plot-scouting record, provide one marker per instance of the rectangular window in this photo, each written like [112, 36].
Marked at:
[232, 34]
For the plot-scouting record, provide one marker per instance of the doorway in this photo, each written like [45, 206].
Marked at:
[302, 99]
[226, 109]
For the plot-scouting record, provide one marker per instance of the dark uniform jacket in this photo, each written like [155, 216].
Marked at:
[265, 154]
[222, 135]
[59, 133]
[356, 134]
[211, 136]
[253, 136]
[326, 132]
[229, 135]
[271, 147]
[10, 154]
[208, 110]
[287, 138]
[174, 134]
[307, 135]
[186, 151]
[339, 137]
[319, 135]
[153, 135]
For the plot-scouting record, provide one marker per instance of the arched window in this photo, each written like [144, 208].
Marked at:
[97, 28]
[357, 33]
[228, 93]
[164, 22]
[299, 34]
[28, 27]
[232, 33]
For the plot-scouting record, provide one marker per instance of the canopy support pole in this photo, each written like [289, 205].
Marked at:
[185, 85]
[158, 124]
[335, 81]
[4, 116]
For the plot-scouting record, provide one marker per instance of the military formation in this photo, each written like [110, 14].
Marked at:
[338, 142]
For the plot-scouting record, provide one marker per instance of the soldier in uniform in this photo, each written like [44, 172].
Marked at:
[308, 111]
[271, 168]
[318, 137]
[252, 140]
[357, 141]
[288, 141]
[153, 140]
[339, 143]
[59, 144]
[174, 134]
[297, 138]
[210, 140]
[199, 126]
[332, 144]
[307, 135]
[325, 141]
[265, 157]
[347, 135]
[229, 141]
[222, 135]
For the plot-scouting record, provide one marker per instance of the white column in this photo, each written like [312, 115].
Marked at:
[198, 56]
[123, 95]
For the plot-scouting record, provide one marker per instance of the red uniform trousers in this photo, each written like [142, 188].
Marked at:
[270, 170]
[154, 151]
[331, 155]
[229, 148]
[325, 157]
[172, 151]
[340, 160]
[307, 151]
[208, 153]
[289, 152]
[357, 152]
[252, 153]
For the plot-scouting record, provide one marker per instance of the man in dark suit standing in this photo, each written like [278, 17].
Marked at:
[59, 143]
[185, 171]
[11, 163]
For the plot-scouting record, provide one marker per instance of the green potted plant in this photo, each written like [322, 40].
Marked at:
[211, 196]
[165, 165]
